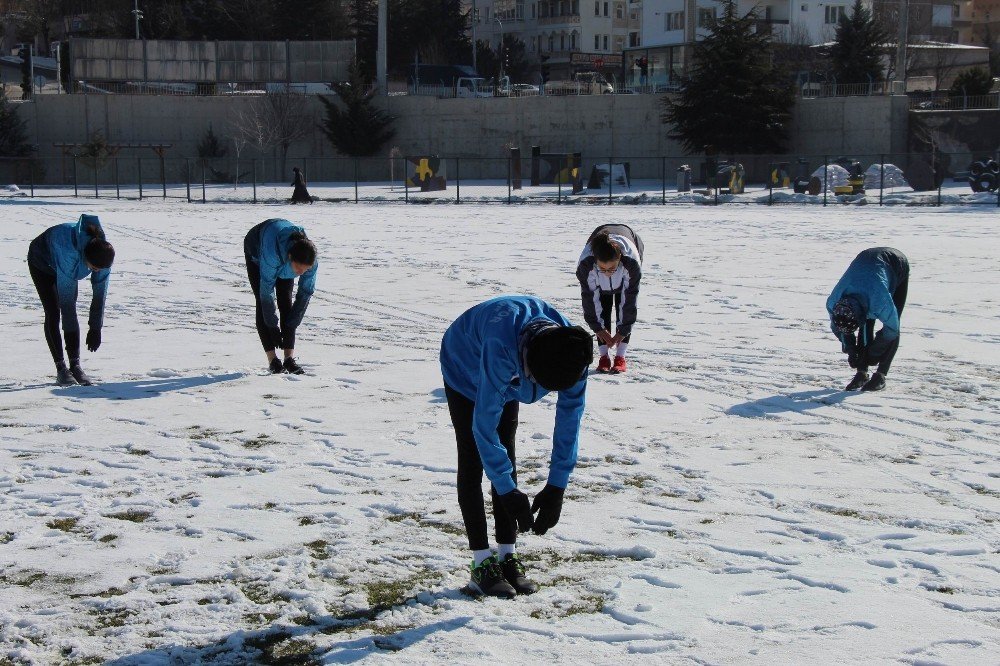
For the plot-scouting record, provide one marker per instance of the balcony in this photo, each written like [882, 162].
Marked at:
[565, 19]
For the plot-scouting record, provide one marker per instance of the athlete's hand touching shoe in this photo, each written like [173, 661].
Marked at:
[548, 504]
[516, 504]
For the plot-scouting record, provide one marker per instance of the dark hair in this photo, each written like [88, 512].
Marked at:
[99, 253]
[603, 249]
[301, 250]
[558, 356]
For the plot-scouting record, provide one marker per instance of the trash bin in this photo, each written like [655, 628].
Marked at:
[684, 178]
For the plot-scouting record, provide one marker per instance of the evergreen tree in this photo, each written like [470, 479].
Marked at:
[856, 55]
[359, 129]
[13, 135]
[972, 82]
[734, 99]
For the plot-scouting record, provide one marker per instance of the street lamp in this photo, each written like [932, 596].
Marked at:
[138, 15]
[500, 50]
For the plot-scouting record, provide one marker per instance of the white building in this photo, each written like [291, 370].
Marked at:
[671, 27]
[567, 35]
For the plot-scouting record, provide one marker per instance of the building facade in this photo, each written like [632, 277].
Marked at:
[566, 35]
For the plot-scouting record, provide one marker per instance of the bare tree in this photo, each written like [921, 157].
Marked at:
[275, 120]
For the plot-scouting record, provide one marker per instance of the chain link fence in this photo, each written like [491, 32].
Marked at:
[914, 179]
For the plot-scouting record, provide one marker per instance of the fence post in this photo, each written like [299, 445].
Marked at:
[118, 187]
[826, 172]
[770, 183]
[187, 178]
[510, 174]
[356, 160]
[253, 165]
[31, 175]
[663, 180]
[97, 194]
[203, 181]
[458, 182]
[611, 180]
[881, 178]
[163, 176]
[76, 182]
[138, 164]
[406, 183]
[559, 179]
[940, 183]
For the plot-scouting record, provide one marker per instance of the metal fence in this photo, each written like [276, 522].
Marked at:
[913, 179]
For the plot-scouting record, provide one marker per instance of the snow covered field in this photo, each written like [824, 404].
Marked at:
[731, 504]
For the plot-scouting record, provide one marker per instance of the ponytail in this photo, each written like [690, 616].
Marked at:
[300, 249]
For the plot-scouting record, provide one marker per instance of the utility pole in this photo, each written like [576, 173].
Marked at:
[474, 20]
[138, 15]
[904, 15]
[500, 48]
[381, 57]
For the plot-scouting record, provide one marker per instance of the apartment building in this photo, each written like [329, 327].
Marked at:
[568, 35]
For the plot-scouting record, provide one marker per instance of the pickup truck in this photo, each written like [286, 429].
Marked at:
[582, 83]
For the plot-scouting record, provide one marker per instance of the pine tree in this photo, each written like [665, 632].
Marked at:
[972, 82]
[13, 135]
[734, 99]
[359, 129]
[857, 52]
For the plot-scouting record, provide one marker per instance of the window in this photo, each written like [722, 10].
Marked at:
[805, 8]
[552, 42]
[833, 13]
[532, 10]
[673, 21]
[572, 41]
[619, 43]
[487, 14]
[605, 42]
[705, 17]
[634, 15]
[606, 9]
[633, 39]
[576, 7]
[597, 42]
[597, 7]
[562, 42]
[956, 11]
[619, 11]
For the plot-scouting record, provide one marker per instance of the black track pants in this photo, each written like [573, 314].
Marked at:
[610, 301]
[899, 300]
[470, 471]
[45, 284]
[283, 297]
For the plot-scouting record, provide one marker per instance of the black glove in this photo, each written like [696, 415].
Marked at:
[518, 509]
[276, 342]
[93, 339]
[852, 359]
[548, 504]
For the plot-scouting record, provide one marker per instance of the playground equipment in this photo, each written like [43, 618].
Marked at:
[984, 175]
[855, 177]
[730, 177]
[556, 169]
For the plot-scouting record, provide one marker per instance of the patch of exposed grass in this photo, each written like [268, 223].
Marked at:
[111, 617]
[638, 480]
[131, 515]
[280, 649]
[138, 452]
[259, 593]
[318, 549]
[258, 442]
[182, 498]
[399, 517]
[63, 524]
[944, 589]
[706, 521]
[260, 619]
[6, 537]
[307, 520]
[108, 538]
[588, 604]
[269, 505]
[384, 594]
[839, 511]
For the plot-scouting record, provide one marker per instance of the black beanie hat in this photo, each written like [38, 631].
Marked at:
[558, 356]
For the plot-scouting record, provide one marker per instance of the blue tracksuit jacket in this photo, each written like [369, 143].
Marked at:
[59, 251]
[272, 257]
[870, 282]
[481, 359]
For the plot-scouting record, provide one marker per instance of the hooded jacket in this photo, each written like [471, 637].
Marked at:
[625, 279]
[482, 358]
[868, 286]
[271, 255]
[59, 252]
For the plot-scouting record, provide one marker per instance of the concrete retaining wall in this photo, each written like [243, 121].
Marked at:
[626, 126]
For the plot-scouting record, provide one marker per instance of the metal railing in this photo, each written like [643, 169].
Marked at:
[946, 102]
[560, 178]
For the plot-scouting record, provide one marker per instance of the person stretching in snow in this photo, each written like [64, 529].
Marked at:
[609, 271]
[277, 252]
[57, 260]
[500, 353]
[874, 287]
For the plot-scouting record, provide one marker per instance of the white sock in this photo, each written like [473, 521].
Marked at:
[505, 549]
[479, 555]
[602, 350]
[621, 349]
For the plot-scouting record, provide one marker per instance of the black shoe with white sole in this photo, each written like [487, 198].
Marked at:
[488, 580]
[513, 573]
